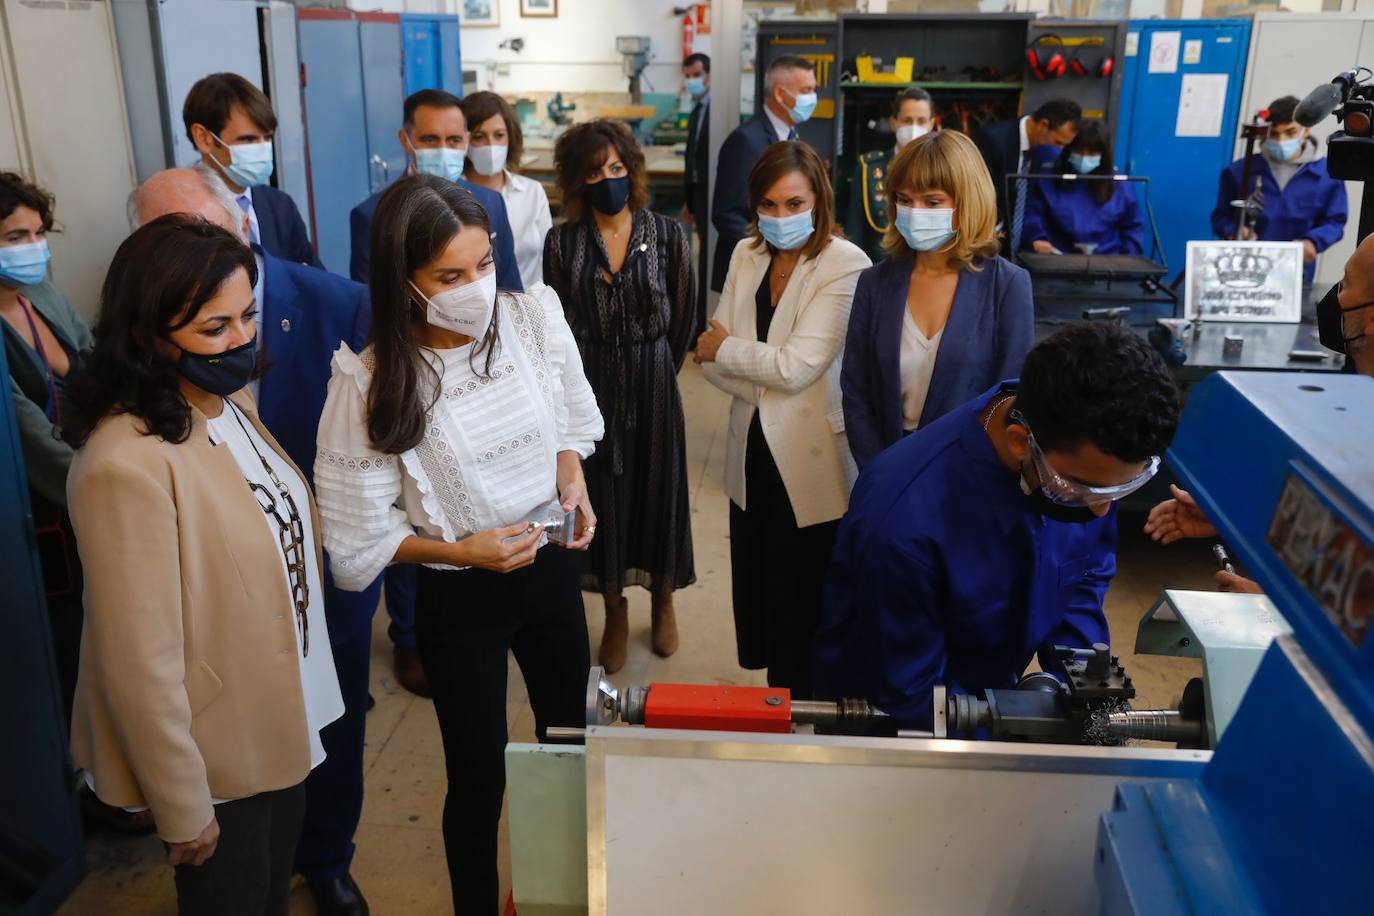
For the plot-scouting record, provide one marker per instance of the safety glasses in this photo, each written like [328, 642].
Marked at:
[1064, 492]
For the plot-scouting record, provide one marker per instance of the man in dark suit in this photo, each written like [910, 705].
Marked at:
[1007, 145]
[435, 136]
[305, 315]
[789, 89]
[231, 124]
[696, 210]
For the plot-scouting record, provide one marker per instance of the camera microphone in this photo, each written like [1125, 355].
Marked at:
[1325, 99]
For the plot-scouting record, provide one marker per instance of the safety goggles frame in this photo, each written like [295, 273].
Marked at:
[1064, 492]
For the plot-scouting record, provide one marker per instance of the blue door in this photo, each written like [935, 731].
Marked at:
[1183, 171]
[432, 59]
[336, 128]
[380, 41]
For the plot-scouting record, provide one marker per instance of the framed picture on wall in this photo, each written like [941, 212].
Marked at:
[535, 9]
[480, 13]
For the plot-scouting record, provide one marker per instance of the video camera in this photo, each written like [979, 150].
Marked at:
[1350, 97]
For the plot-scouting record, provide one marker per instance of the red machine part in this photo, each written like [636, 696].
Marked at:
[726, 709]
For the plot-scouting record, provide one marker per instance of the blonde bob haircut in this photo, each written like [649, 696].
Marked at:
[946, 160]
[777, 162]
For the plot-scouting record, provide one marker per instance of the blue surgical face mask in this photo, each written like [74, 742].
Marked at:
[925, 229]
[1084, 165]
[1283, 150]
[803, 107]
[787, 232]
[24, 265]
[250, 164]
[443, 162]
[696, 86]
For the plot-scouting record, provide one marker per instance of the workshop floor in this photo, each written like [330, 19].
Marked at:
[400, 858]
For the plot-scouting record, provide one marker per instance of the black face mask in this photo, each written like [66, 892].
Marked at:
[609, 195]
[220, 373]
[1331, 320]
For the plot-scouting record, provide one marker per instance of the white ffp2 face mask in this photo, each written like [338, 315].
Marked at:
[489, 159]
[464, 309]
[908, 132]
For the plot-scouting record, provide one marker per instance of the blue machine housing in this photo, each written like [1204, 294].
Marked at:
[1282, 819]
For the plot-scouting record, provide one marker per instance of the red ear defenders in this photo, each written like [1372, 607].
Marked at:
[1102, 69]
[1052, 67]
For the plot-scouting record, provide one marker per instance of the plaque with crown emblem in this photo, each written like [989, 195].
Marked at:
[1244, 281]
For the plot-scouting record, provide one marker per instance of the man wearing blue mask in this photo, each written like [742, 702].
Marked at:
[231, 124]
[434, 135]
[990, 535]
[1299, 200]
[696, 207]
[789, 99]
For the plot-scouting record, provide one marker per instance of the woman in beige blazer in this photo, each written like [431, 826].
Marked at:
[206, 671]
[774, 345]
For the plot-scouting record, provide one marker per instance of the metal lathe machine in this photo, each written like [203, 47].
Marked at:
[690, 799]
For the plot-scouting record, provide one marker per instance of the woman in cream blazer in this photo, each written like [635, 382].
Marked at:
[206, 671]
[774, 345]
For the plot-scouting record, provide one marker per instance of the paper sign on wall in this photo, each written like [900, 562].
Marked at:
[1132, 44]
[1201, 103]
[1192, 51]
[1164, 51]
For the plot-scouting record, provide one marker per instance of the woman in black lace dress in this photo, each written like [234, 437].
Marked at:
[628, 285]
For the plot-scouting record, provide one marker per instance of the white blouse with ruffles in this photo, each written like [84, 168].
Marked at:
[489, 454]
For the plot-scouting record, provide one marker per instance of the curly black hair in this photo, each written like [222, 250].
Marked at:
[158, 281]
[1099, 382]
[17, 191]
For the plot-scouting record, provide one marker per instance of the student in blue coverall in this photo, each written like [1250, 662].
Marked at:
[1301, 201]
[1097, 217]
[990, 535]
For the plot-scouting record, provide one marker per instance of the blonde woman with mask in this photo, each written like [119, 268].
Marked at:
[943, 318]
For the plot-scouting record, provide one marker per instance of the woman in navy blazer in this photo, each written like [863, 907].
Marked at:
[943, 318]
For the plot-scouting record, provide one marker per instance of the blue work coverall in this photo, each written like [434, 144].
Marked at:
[1311, 206]
[1066, 214]
[945, 573]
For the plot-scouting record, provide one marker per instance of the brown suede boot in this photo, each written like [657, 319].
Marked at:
[664, 623]
[616, 636]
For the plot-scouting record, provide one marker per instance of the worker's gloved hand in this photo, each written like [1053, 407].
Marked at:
[1230, 582]
[1178, 518]
[1042, 246]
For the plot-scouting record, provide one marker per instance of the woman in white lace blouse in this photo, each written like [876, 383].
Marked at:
[449, 442]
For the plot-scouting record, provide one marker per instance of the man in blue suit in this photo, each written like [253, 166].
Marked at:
[1300, 201]
[789, 89]
[434, 134]
[304, 315]
[231, 124]
[990, 535]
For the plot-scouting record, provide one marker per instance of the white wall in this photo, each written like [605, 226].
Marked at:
[576, 51]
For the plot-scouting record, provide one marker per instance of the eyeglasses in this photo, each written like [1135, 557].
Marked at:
[1065, 492]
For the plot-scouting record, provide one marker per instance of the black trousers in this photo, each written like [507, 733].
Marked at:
[250, 872]
[777, 574]
[466, 622]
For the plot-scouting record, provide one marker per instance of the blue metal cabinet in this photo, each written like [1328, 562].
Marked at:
[379, 36]
[336, 128]
[432, 56]
[1183, 171]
